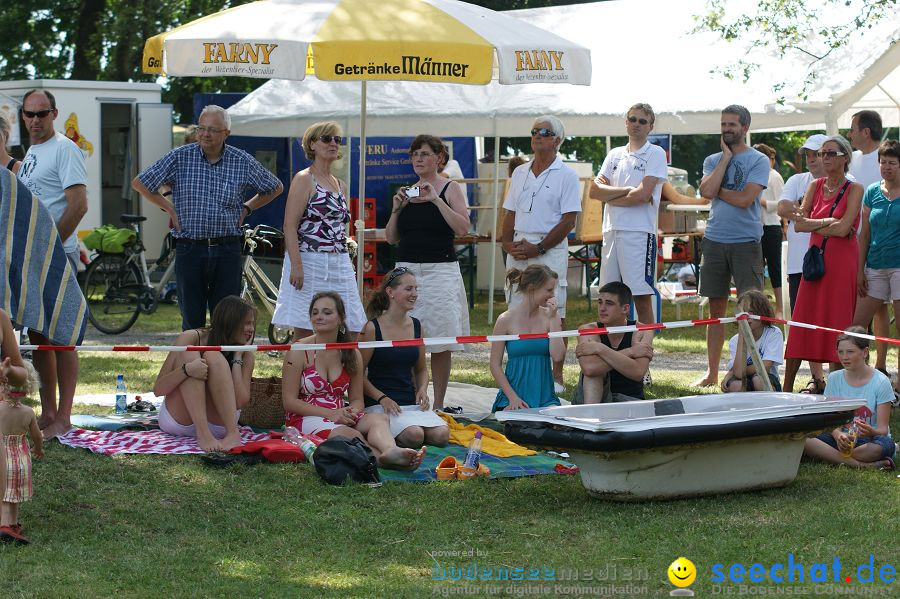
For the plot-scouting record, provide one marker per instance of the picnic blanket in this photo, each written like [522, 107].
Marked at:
[38, 288]
[154, 441]
[509, 467]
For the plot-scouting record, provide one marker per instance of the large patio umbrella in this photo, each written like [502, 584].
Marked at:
[366, 40]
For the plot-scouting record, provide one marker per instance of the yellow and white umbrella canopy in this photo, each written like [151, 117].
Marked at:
[358, 40]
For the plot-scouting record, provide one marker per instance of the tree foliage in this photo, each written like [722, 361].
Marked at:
[814, 28]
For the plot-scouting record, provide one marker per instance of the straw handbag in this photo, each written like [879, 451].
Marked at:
[264, 410]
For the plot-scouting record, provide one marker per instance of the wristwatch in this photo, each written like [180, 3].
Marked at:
[540, 247]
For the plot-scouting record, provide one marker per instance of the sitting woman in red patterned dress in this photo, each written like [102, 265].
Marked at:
[314, 385]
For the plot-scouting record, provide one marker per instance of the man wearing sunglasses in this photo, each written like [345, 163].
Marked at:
[630, 184]
[733, 180]
[542, 202]
[208, 181]
[54, 171]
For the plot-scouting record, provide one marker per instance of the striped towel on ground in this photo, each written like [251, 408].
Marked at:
[155, 441]
[38, 288]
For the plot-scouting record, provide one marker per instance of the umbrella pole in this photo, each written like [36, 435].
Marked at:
[361, 201]
[493, 251]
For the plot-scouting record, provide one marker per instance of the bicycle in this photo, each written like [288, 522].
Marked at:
[256, 285]
[118, 286]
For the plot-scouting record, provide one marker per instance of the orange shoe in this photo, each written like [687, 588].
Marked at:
[466, 473]
[447, 469]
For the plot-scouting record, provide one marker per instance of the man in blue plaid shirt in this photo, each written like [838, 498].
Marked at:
[206, 205]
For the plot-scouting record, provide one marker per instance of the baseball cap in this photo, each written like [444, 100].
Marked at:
[814, 142]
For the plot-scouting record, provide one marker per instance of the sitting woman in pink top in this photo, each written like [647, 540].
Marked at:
[314, 384]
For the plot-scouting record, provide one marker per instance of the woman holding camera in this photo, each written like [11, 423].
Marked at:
[424, 220]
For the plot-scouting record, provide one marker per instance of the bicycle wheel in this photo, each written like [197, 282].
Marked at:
[280, 335]
[112, 288]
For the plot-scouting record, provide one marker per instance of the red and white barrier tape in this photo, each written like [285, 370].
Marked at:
[679, 324]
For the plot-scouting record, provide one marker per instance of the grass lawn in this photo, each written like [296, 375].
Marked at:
[153, 526]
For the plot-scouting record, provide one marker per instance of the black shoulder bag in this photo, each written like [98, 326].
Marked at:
[814, 259]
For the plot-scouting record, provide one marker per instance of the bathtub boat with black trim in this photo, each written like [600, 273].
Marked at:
[688, 446]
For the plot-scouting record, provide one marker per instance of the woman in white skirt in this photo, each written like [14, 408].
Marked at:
[396, 378]
[315, 238]
[424, 220]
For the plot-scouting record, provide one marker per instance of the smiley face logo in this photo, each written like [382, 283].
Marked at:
[682, 572]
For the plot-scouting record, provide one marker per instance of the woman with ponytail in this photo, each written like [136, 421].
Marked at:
[527, 381]
[396, 381]
[314, 385]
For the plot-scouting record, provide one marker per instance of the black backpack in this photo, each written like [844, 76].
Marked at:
[341, 458]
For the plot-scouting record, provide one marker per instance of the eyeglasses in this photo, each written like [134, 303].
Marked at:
[39, 114]
[397, 272]
[327, 139]
[422, 154]
[830, 153]
[634, 119]
[201, 129]
[543, 132]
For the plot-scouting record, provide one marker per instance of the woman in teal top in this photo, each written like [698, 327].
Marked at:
[527, 381]
[878, 278]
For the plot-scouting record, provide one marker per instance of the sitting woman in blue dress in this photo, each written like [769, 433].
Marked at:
[396, 381]
[870, 445]
[527, 381]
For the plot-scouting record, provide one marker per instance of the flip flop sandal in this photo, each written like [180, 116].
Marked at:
[814, 387]
[446, 470]
[222, 458]
[890, 465]
[465, 473]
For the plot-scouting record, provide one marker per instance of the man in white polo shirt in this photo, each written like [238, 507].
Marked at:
[630, 184]
[542, 202]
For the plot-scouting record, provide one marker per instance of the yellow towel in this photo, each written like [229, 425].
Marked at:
[492, 442]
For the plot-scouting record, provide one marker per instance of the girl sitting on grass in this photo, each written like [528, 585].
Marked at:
[769, 342]
[16, 422]
[205, 391]
[527, 381]
[874, 447]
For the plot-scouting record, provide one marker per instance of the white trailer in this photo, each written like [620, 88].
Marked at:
[122, 128]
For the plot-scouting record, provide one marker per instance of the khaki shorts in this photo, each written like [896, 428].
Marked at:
[722, 262]
[883, 283]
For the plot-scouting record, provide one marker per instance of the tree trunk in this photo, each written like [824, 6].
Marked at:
[87, 42]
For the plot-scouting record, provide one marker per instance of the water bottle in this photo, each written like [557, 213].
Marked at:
[121, 396]
[292, 435]
[473, 457]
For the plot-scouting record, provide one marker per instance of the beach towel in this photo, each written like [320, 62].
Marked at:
[492, 442]
[155, 441]
[38, 288]
[510, 467]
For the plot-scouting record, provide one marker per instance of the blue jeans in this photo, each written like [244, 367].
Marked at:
[205, 274]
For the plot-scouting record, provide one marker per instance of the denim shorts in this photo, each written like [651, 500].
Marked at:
[883, 441]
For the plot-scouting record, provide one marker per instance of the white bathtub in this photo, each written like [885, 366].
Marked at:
[682, 447]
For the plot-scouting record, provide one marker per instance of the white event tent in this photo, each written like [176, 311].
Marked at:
[670, 68]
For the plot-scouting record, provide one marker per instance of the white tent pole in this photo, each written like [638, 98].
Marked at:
[348, 167]
[493, 251]
[361, 201]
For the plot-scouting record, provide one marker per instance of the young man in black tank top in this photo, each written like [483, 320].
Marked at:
[613, 366]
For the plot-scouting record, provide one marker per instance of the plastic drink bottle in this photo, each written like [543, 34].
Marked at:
[121, 396]
[852, 434]
[292, 435]
[473, 457]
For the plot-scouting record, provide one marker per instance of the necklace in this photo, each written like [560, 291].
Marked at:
[830, 190]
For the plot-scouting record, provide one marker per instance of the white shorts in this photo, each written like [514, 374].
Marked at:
[409, 416]
[322, 271]
[441, 307]
[629, 257]
[168, 424]
[884, 283]
[557, 258]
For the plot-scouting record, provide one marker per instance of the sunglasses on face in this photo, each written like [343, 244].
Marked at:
[397, 272]
[39, 114]
[829, 153]
[329, 138]
[543, 132]
[634, 119]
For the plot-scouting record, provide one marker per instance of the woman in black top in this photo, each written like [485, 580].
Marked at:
[424, 220]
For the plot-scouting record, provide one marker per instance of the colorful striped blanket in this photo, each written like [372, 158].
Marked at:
[38, 288]
[155, 441]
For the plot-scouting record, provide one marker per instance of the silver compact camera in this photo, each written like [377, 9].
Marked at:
[413, 192]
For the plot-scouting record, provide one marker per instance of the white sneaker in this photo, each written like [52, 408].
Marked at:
[648, 379]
